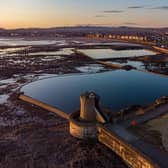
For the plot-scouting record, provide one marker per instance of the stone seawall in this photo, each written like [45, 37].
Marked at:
[44, 106]
[111, 65]
[82, 129]
[162, 50]
[133, 157]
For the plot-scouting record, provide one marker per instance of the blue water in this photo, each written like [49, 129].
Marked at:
[117, 89]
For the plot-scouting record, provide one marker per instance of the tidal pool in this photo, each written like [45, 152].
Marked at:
[117, 89]
[10, 51]
[110, 53]
[23, 42]
[136, 64]
[64, 51]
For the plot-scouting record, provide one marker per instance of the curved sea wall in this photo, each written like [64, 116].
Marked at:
[43, 105]
[162, 50]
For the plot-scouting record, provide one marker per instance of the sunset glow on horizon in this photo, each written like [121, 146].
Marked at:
[53, 13]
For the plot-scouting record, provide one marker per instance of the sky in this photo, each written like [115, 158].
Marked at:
[53, 13]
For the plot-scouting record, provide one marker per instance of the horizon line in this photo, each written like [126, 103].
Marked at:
[87, 25]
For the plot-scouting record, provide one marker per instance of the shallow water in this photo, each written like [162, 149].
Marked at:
[91, 68]
[64, 51]
[136, 64]
[3, 98]
[117, 89]
[22, 42]
[10, 51]
[109, 53]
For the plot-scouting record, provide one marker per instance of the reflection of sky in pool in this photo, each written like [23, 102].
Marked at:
[117, 89]
[22, 42]
[109, 53]
[64, 51]
[11, 50]
[58, 42]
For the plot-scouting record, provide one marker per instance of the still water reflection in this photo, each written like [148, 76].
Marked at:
[117, 89]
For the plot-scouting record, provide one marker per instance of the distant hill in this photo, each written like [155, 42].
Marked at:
[79, 30]
[1, 29]
[84, 28]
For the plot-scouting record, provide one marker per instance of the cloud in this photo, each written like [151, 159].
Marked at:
[130, 23]
[113, 11]
[100, 16]
[161, 7]
[135, 7]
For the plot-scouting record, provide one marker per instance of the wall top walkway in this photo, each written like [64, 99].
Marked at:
[44, 106]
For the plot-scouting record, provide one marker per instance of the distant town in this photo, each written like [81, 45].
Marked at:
[155, 36]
